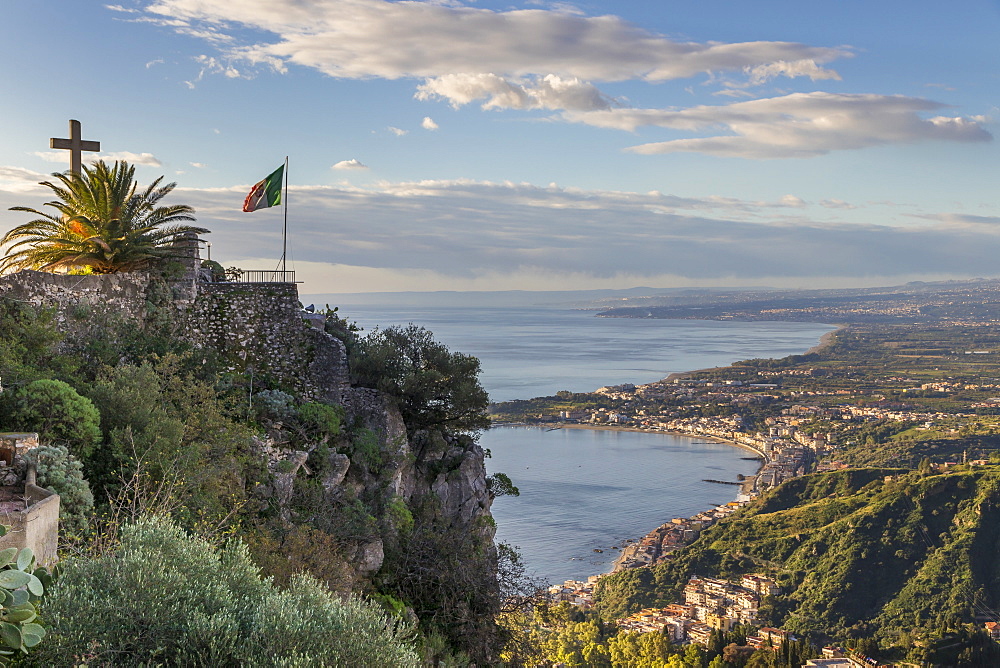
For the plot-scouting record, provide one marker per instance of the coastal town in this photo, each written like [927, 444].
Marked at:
[795, 418]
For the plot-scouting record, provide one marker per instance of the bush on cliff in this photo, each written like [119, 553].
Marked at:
[166, 598]
[432, 386]
[57, 412]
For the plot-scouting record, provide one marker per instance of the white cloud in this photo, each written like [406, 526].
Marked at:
[211, 65]
[199, 165]
[52, 156]
[158, 61]
[20, 180]
[793, 201]
[760, 74]
[397, 131]
[428, 123]
[793, 126]
[548, 92]
[358, 39]
[147, 159]
[353, 163]
[834, 203]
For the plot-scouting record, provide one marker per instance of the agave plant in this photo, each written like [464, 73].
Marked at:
[102, 222]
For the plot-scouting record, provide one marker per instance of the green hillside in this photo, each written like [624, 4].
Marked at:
[858, 553]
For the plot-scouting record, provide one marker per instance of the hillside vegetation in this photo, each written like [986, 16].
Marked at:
[383, 498]
[858, 553]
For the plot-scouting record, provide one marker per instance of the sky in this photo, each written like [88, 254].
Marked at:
[532, 145]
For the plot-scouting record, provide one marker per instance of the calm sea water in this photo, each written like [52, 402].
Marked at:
[582, 489]
[533, 352]
[590, 489]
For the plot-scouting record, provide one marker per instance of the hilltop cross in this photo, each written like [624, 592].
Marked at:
[76, 146]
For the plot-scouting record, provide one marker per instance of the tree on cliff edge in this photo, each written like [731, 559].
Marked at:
[102, 221]
[433, 387]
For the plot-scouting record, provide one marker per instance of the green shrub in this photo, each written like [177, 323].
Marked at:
[168, 599]
[399, 515]
[217, 270]
[274, 405]
[321, 420]
[365, 449]
[57, 412]
[61, 472]
[432, 386]
[499, 484]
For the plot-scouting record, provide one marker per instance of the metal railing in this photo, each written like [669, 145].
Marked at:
[235, 275]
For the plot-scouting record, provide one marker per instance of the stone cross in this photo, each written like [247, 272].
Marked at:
[76, 146]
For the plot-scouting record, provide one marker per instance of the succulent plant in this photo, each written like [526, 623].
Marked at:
[22, 585]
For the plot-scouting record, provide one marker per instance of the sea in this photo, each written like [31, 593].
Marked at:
[584, 492]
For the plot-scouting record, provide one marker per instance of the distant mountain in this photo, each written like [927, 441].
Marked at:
[735, 302]
[947, 301]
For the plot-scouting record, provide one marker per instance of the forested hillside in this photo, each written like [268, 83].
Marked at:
[860, 553]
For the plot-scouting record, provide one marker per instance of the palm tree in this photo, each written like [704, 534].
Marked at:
[103, 223]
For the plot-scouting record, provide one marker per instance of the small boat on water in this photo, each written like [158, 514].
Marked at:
[597, 550]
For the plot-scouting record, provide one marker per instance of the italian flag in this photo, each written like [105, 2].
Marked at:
[265, 193]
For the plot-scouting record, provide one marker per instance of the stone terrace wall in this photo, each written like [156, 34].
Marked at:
[260, 326]
[257, 326]
[75, 297]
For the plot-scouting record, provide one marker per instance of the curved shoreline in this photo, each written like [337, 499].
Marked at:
[825, 340]
[667, 432]
[749, 482]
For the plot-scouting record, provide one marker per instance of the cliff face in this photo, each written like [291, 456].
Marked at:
[448, 473]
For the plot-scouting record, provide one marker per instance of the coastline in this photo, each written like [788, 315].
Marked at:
[748, 483]
[825, 340]
[611, 427]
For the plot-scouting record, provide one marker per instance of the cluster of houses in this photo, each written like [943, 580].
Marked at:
[575, 592]
[710, 604]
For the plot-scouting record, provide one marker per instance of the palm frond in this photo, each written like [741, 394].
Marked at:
[102, 219]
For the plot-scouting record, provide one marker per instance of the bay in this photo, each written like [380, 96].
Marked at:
[591, 489]
[584, 490]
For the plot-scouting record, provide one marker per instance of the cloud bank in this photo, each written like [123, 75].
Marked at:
[793, 126]
[497, 235]
[550, 59]
[358, 39]
[465, 234]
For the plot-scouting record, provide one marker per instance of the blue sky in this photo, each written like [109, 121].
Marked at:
[537, 145]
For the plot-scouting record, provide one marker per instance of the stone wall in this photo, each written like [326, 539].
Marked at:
[76, 298]
[256, 327]
[259, 327]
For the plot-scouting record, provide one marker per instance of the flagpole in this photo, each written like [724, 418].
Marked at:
[284, 233]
